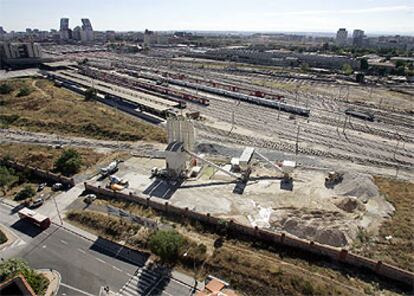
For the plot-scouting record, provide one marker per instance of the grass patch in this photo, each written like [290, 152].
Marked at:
[106, 226]
[48, 108]
[399, 250]
[44, 157]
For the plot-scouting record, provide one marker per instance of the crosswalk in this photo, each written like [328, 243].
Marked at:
[141, 283]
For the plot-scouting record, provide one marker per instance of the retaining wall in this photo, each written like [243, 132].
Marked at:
[253, 233]
[43, 174]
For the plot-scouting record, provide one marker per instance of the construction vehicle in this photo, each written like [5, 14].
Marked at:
[110, 169]
[333, 179]
[116, 180]
[159, 173]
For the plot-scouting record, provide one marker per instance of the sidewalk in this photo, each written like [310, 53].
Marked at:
[54, 278]
[186, 279]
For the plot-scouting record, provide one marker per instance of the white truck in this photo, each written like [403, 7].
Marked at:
[110, 169]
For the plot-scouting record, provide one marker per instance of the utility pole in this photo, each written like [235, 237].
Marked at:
[297, 142]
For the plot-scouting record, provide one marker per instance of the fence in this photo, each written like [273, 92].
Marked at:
[255, 234]
[43, 174]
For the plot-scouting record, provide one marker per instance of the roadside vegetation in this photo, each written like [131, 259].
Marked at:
[13, 267]
[3, 237]
[69, 163]
[37, 105]
[106, 226]
[395, 241]
[49, 158]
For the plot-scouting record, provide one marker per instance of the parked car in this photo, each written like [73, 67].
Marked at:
[37, 203]
[41, 187]
[57, 186]
[89, 198]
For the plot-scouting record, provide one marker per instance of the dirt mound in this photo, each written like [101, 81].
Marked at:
[350, 204]
[361, 186]
[320, 226]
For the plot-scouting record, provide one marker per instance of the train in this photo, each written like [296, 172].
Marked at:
[360, 114]
[246, 98]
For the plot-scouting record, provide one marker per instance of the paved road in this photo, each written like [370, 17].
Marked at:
[85, 265]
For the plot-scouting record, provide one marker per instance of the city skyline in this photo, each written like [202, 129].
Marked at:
[374, 17]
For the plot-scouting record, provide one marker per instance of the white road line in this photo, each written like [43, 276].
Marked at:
[63, 242]
[114, 267]
[82, 251]
[100, 260]
[76, 289]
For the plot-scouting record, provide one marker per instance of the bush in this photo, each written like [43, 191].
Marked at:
[3, 238]
[24, 91]
[347, 69]
[69, 163]
[25, 193]
[12, 267]
[90, 94]
[7, 178]
[5, 89]
[166, 244]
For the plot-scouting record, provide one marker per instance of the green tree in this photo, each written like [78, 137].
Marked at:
[69, 163]
[304, 67]
[25, 193]
[14, 266]
[24, 91]
[166, 244]
[7, 178]
[90, 94]
[347, 69]
[5, 89]
[364, 64]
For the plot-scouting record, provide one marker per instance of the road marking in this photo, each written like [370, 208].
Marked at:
[76, 289]
[82, 251]
[63, 242]
[100, 260]
[114, 267]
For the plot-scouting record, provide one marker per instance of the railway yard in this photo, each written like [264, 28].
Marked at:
[234, 110]
[310, 157]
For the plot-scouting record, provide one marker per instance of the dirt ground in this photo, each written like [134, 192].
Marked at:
[309, 210]
[51, 109]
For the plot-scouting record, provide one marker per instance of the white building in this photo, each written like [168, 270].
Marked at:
[358, 37]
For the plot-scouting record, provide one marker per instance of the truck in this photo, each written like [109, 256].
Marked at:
[37, 219]
[110, 169]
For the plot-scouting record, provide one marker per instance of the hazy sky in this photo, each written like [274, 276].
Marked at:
[241, 15]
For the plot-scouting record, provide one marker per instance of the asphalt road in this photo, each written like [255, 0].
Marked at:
[85, 265]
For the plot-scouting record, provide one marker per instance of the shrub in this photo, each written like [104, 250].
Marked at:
[69, 163]
[24, 91]
[90, 94]
[13, 267]
[25, 193]
[166, 244]
[3, 238]
[5, 89]
[7, 178]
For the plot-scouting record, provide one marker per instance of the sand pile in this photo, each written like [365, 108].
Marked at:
[350, 204]
[325, 227]
[359, 185]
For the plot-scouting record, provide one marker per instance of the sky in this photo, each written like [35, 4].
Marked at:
[373, 16]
